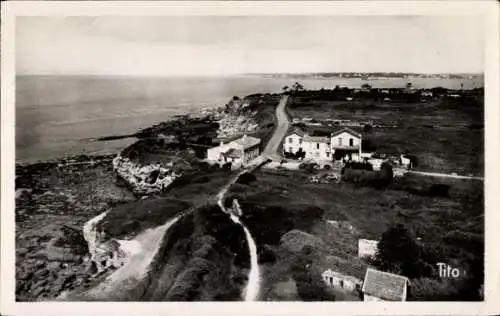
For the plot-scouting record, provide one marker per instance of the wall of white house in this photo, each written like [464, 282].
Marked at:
[213, 154]
[317, 151]
[293, 143]
[345, 139]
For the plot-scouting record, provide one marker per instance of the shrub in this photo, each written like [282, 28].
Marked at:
[203, 165]
[386, 173]
[398, 251]
[246, 178]
[309, 167]
[361, 177]
[359, 165]
[426, 289]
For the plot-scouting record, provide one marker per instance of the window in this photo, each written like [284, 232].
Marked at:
[317, 145]
[290, 149]
[340, 141]
[327, 155]
[290, 140]
[300, 141]
[351, 142]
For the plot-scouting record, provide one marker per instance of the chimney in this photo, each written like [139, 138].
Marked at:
[244, 137]
[221, 143]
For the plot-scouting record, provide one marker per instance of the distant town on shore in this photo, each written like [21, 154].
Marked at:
[372, 75]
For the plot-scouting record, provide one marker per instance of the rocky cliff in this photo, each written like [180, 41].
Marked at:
[237, 118]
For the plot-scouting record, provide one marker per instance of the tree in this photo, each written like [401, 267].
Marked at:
[285, 88]
[298, 87]
[399, 252]
[386, 173]
[366, 86]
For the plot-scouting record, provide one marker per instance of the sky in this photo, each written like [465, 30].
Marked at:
[222, 45]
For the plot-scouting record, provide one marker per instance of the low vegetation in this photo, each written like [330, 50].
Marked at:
[445, 134]
[449, 227]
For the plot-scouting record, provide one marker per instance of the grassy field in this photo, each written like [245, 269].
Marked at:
[445, 135]
[279, 201]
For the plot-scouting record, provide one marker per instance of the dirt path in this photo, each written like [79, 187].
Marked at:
[445, 175]
[274, 143]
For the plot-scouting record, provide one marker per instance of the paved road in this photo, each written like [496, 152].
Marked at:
[273, 145]
[445, 175]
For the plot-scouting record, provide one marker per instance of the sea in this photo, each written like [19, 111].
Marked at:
[58, 116]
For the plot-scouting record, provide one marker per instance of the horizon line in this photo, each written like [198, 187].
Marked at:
[253, 73]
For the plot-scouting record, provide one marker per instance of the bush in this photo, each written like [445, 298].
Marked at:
[203, 165]
[309, 167]
[359, 165]
[246, 178]
[361, 177]
[386, 173]
[426, 289]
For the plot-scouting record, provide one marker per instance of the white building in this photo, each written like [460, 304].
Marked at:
[405, 161]
[342, 144]
[340, 281]
[238, 152]
[348, 141]
[293, 141]
[367, 248]
[317, 148]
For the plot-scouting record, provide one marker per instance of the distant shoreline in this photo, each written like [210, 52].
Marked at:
[81, 157]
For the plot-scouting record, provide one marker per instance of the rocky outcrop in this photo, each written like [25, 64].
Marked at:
[110, 253]
[145, 179]
[237, 119]
[92, 236]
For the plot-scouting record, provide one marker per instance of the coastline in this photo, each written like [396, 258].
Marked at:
[82, 158]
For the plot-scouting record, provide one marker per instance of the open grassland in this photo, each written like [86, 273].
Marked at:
[279, 201]
[446, 135]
